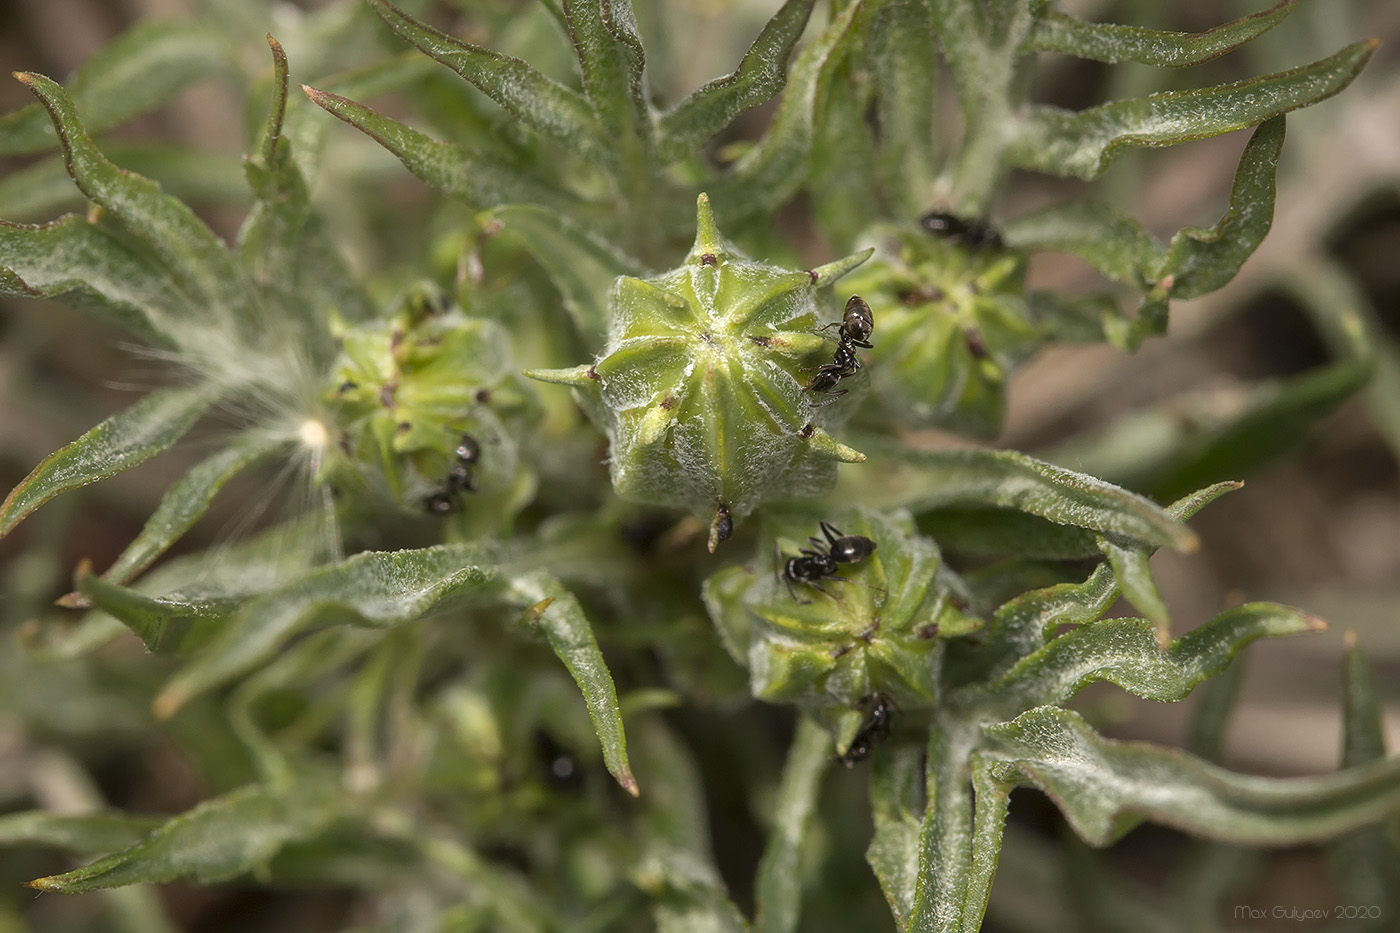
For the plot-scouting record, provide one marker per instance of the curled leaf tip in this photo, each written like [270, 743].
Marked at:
[532, 615]
[73, 600]
[169, 702]
[23, 77]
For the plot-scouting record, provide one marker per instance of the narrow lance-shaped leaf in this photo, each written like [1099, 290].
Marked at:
[557, 613]
[196, 260]
[478, 178]
[217, 840]
[1105, 787]
[539, 102]
[1083, 144]
[945, 842]
[922, 480]
[613, 65]
[1127, 652]
[94, 265]
[1367, 860]
[1023, 624]
[897, 805]
[770, 173]
[900, 52]
[171, 626]
[186, 500]
[141, 69]
[284, 244]
[375, 589]
[761, 74]
[991, 799]
[1133, 573]
[80, 833]
[1200, 260]
[778, 886]
[117, 444]
[1105, 42]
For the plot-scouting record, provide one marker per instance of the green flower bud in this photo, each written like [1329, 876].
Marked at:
[951, 322]
[428, 407]
[879, 630]
[701, 388]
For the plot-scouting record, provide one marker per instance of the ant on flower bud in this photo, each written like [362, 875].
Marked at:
[821, 560]
[873, 729]
[459, 478]
[856, 326]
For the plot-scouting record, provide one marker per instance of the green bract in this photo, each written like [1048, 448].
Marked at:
[701, 388]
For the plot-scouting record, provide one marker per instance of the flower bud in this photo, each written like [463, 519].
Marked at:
[702, 387]
[828, 644]
[951, 322]
[428, 408]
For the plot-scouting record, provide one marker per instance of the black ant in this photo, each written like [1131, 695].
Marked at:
[857, 324]
[459, 477]
[821, 560]
[973, 234]
[874, 728]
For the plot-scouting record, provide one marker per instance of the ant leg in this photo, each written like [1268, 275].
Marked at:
[832, 396]
[831, 533]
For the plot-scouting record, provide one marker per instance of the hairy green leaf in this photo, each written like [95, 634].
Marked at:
[557, 612]
[127, 438]
[770, 173]
[899, 50]
[1023, 624]
[478, 178]
[778, 886]
[922, 480]
[1103, 42]
[186, 500]
[284, 244]
[375, 589]
[1096, 232]
[195, 259]
[1084, 144]
[897, 805]
[79, 833]
[539, 102]
[613, 66]
[1129, 653]
[175, 625]
[142, 68]
[1367, 860]
[45, 189]
[761, 74]
[1105, 787]
[1200, 260]
[97, 266]
[217, 840]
